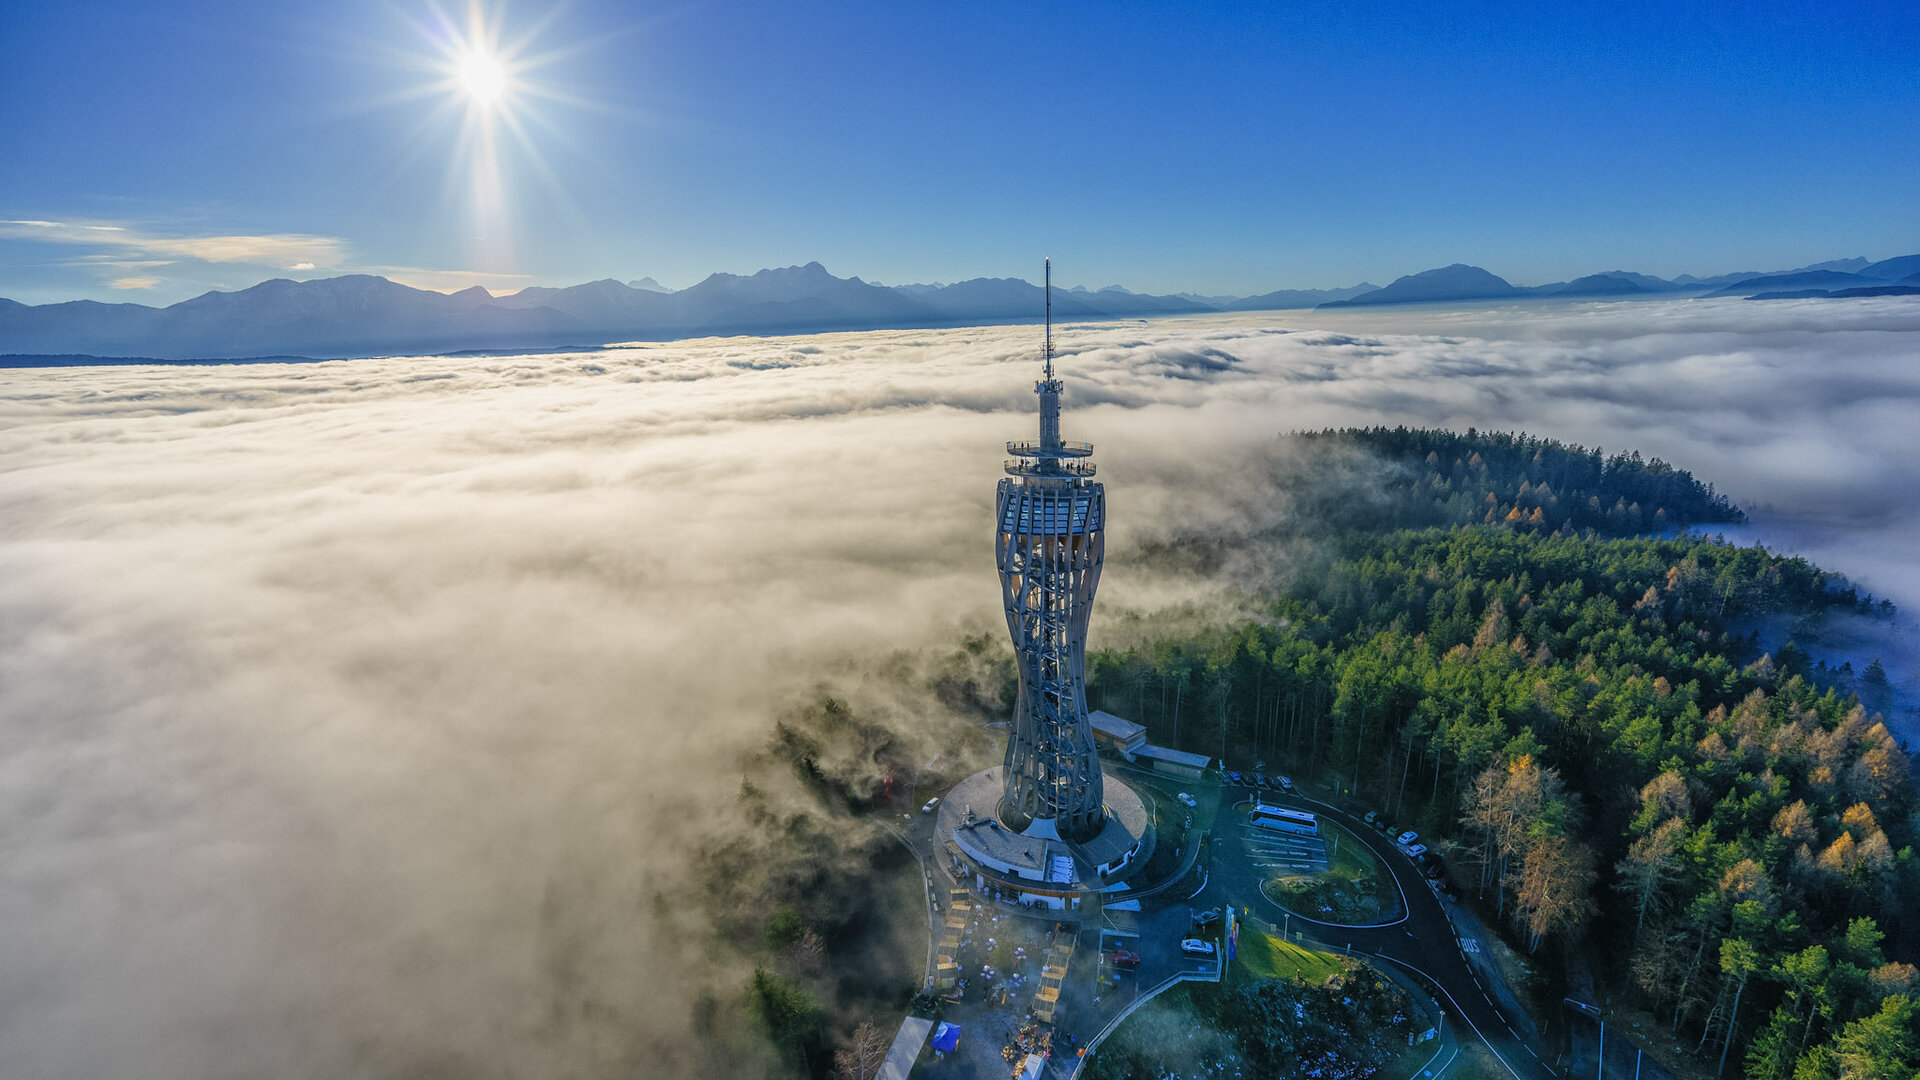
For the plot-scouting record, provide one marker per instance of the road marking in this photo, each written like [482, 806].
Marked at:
[1463, 1014]
[1469, 945]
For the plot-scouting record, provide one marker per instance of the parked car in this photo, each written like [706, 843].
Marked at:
[931, 804]
[1193, 946]
[1286, 784]
[1206, 920]
[1406, 838]
[1416, 850]
[1372, 819]
[1124, 959]
[1188, 799]
[1233, 777]
[1259, 779]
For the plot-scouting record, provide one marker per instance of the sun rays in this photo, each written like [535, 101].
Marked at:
[488, 83]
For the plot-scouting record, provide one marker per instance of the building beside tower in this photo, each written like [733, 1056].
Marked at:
[1047, 829]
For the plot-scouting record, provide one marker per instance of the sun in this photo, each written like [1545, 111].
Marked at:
[482, 77]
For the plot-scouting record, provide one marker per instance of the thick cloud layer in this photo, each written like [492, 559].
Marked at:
[352, 713]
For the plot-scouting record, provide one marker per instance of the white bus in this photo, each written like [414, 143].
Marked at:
[1288, 821]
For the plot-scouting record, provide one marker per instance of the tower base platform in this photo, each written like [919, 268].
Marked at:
[1035, 869]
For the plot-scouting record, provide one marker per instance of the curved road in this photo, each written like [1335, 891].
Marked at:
[1423, 941]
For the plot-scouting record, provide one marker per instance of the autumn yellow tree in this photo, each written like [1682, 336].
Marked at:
[861, 1058]
[1555, 884]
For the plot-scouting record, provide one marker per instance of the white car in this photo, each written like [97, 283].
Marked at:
[1193, 946]
[1186, 798]
[1414, 851]
[931, 803]
[1286, 784]
[1406, 838]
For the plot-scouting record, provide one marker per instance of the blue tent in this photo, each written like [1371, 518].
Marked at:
[946, 1037]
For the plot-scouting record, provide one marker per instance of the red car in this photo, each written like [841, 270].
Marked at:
[1125, 959]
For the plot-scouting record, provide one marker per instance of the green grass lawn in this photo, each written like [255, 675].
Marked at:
[1263, 956]
[1354, 859]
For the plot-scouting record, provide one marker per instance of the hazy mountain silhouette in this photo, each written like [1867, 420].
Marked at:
[1899, 268]
[356, 314]
[605, 303]
[1014, 298]
[359, 315]
[1612, 283]
[1299, 298]
[1845, 266]
[1805, 279]
[1840, 294]
[1456, 282]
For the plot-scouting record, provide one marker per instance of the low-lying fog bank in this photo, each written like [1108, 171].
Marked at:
[351, 712]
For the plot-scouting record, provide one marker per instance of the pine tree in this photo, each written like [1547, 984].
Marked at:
[1738, 959]
[1881, 1046]
[1651, 863]
[1772, 1053]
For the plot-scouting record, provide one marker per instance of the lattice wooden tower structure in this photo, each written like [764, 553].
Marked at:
[1050, 540]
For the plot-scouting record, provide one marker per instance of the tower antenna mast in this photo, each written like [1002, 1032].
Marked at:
[1049, 265]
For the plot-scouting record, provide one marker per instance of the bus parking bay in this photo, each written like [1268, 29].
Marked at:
[1268, 850]
[1282, 849]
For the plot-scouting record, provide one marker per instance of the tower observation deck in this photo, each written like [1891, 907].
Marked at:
[1050, 541]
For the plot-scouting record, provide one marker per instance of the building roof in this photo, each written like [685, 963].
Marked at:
[1114, 727]
[1174, 757]
[906, 1049]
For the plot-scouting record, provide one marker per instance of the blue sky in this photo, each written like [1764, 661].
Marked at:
[156, 151]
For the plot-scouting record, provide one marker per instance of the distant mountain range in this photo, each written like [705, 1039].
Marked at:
[360, 315]
[1461, 282]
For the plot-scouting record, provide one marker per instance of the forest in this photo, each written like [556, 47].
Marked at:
[1577, 707]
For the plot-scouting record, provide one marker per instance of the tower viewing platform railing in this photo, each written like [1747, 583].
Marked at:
[1049, 468]
[1041, 450]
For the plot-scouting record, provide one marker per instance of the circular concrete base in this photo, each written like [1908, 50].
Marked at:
[1034, 862]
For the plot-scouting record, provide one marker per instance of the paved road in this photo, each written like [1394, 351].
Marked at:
[1422, 939]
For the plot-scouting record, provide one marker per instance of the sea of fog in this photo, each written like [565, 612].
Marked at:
[349, 711]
